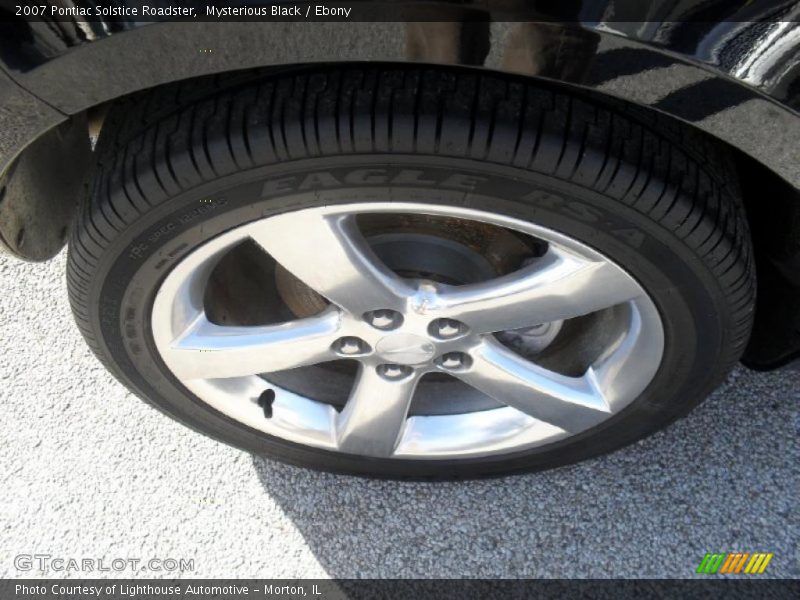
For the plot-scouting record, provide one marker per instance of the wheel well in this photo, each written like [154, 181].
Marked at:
[773, 211]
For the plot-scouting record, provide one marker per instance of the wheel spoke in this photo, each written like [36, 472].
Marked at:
[209, 351]
[558, 286]
[375, 414]
[329, 254]
[631, 361]
[571, 403]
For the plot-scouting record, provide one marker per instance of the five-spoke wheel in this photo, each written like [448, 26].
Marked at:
[401, 329]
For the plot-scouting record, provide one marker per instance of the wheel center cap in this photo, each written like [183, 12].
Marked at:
[405, 349]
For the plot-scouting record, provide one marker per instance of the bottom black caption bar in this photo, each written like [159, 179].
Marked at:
[329, 589]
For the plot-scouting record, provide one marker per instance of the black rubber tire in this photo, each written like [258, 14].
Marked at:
[655, 196]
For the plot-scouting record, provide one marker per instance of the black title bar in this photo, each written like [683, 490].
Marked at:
[119, 12]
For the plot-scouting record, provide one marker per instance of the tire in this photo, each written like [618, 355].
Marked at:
[181, 165]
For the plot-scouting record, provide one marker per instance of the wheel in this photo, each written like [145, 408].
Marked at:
[410, 273]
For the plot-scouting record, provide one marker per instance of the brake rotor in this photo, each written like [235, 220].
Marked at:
[441, 249]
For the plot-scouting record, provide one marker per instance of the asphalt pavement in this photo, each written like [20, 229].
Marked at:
[89, 471]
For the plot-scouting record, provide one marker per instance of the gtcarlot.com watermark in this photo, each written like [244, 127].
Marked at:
[47, 563]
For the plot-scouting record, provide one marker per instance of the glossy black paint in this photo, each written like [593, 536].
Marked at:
[730, 70]
[739, 81]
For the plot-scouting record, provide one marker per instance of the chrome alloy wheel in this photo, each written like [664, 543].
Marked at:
[403, 331]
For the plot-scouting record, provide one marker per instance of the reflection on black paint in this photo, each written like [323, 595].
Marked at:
[703, 99]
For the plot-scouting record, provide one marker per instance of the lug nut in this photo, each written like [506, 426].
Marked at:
[384, 319]
[454, 361]
[350, 346]
[446, 329]
[394, 372]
